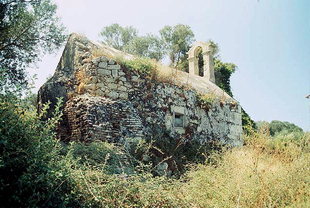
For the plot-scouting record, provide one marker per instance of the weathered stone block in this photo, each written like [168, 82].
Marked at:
[109, 79]
[103, 65]
[104, 72]
[101, 85]
[115, 73]
[122, 88]
[96, 61]
[113, 95]
[112, 86]
[178, 109]
[123, 95]
[114, 66]
[103, 59]
[111, 62]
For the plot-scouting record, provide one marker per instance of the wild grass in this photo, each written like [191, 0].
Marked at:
[265, 172]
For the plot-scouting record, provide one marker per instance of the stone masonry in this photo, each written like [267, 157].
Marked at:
[103, 100]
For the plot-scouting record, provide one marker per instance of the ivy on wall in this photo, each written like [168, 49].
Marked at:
[223, 72]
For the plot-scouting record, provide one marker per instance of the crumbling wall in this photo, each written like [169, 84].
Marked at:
[106, 101]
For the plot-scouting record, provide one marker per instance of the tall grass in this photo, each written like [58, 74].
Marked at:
[265, 172]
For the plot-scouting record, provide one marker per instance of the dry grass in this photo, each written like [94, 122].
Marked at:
[266, 172]
[82, 80]
[260, 174]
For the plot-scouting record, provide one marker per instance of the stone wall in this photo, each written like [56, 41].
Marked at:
[106, 101]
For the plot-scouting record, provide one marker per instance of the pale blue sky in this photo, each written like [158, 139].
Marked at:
[269, 41]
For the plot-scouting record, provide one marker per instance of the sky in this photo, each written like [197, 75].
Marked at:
[269, 41]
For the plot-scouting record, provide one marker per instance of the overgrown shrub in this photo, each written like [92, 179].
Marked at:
[31, 170]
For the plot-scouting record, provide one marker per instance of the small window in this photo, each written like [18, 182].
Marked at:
[178, 120]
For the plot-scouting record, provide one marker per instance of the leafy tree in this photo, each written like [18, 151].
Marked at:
[280, 128]
[147, 46]
[277, 127]
[117, 36]
[177, 40]
[174, 41]
[28, 29]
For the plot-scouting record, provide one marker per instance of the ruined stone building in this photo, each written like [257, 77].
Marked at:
[105, 100]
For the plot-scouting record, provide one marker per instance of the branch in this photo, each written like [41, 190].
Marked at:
[17, 37]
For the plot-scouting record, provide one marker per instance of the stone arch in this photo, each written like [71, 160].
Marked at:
[207, 69]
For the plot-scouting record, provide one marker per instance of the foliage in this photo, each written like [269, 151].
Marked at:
[102, 155]
[285, 127]
[30, 166]
[38, 171]
[146, 46]
[117, 36]
[281, 128]
[27, 29]
[248, 125]
[215, 47]
[223, 72]
[142, 65]
[178, 154]
[177, 40]
[174, 41]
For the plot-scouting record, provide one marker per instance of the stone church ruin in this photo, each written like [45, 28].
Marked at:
[105, 100]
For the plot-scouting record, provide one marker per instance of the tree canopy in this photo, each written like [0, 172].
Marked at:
[147, 46]
[117, 36]
[28, 29]
[177, 40]
[279, 127]
[174, 42]
[223, 72]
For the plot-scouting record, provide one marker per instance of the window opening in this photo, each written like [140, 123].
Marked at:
[178, 120]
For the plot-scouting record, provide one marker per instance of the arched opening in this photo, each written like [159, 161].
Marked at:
[199, 62]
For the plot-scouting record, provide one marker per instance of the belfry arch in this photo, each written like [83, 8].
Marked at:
[204, 67]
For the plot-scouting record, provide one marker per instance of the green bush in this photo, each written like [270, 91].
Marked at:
[31, 167]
